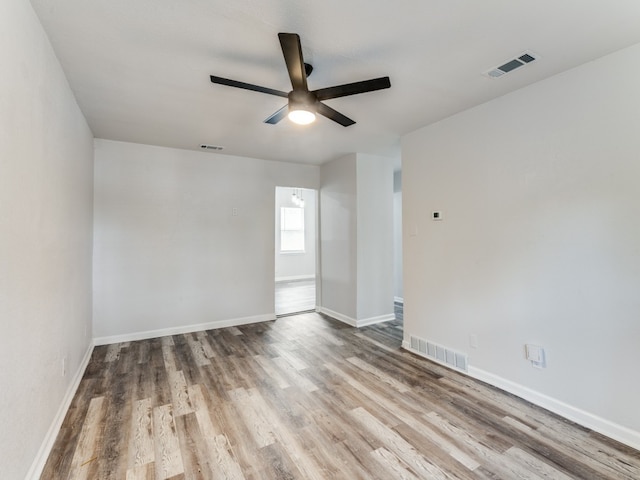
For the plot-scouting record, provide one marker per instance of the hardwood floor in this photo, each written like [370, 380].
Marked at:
[307, 397]
[295, 296]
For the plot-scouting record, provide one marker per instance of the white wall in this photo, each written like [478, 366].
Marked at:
[356, 238]
[375, 236]
[46, 152]
[169, 253]
[539, 242]
[298, 265]
[338, 227]
[398, 291]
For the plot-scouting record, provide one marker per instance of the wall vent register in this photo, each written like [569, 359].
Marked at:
[438, 353]
[511, 65]
[211, 148]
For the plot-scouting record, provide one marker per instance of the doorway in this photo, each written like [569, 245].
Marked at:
[398, 292]
[295, 252]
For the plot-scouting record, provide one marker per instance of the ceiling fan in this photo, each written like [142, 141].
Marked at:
[304, 104]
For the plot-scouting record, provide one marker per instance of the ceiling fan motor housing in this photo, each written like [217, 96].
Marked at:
[302, 100]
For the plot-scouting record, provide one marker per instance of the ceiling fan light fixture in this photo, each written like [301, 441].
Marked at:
[302, 107]
[301, 116]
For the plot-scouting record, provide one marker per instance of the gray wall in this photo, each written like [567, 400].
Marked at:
[375, 237]
[338, 229]
[169, 252]
[46, 162]
[539, 242]
[356, 234]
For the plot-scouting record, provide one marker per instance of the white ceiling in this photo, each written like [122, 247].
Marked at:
[140, 69]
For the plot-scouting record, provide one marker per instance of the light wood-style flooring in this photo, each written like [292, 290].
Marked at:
[306, 397]
[295, 296]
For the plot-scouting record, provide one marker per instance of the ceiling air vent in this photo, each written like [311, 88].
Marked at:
[511, 65]
[211, 148]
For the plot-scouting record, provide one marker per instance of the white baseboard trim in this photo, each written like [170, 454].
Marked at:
[338, 316]
[163, 332]
[352, 321]
[605, 427]
[294, 278]
[374, 320]
[398, 300]
[47, 444]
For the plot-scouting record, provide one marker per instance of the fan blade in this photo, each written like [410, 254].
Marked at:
[353, 88]
[334, 115]
[279, 115]
[292, 51]
[247, 86]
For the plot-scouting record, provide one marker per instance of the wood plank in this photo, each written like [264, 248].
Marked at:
[294, 376]
[221, 457]
[225, 420]
[168, 458]
[141, 446]
[198, 351]
[293, 359]
[270, 369]
[499, 463]
[113, 352]
[63, 449]
[394, 467]
[181, 402]
[141, 472]
[83, 464]
[112, 459]
[588, 466]
[398, 445]
[259, 426]
[235, 331]
[169, 357]
[379, 375]
[536, 465]
[203, 338]
[291, 441]
[195, 457]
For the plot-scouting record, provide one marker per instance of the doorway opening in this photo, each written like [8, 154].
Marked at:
[295, 253]
[398, 293]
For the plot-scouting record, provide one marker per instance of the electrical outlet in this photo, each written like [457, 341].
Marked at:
[64, 366]
[535, 354]
[234, 212]
[473, 340]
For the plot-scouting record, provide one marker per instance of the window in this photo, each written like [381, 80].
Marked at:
[291, 229]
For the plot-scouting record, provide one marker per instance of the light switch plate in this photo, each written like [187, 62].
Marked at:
[535, 354]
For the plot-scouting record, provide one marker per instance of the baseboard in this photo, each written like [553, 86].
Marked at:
[597, 424]
[47, 444]
[374, 320]
[338, 316]
[605, 427]
[163, 332]
[356, 323]
[294, 278]
[398, 300]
